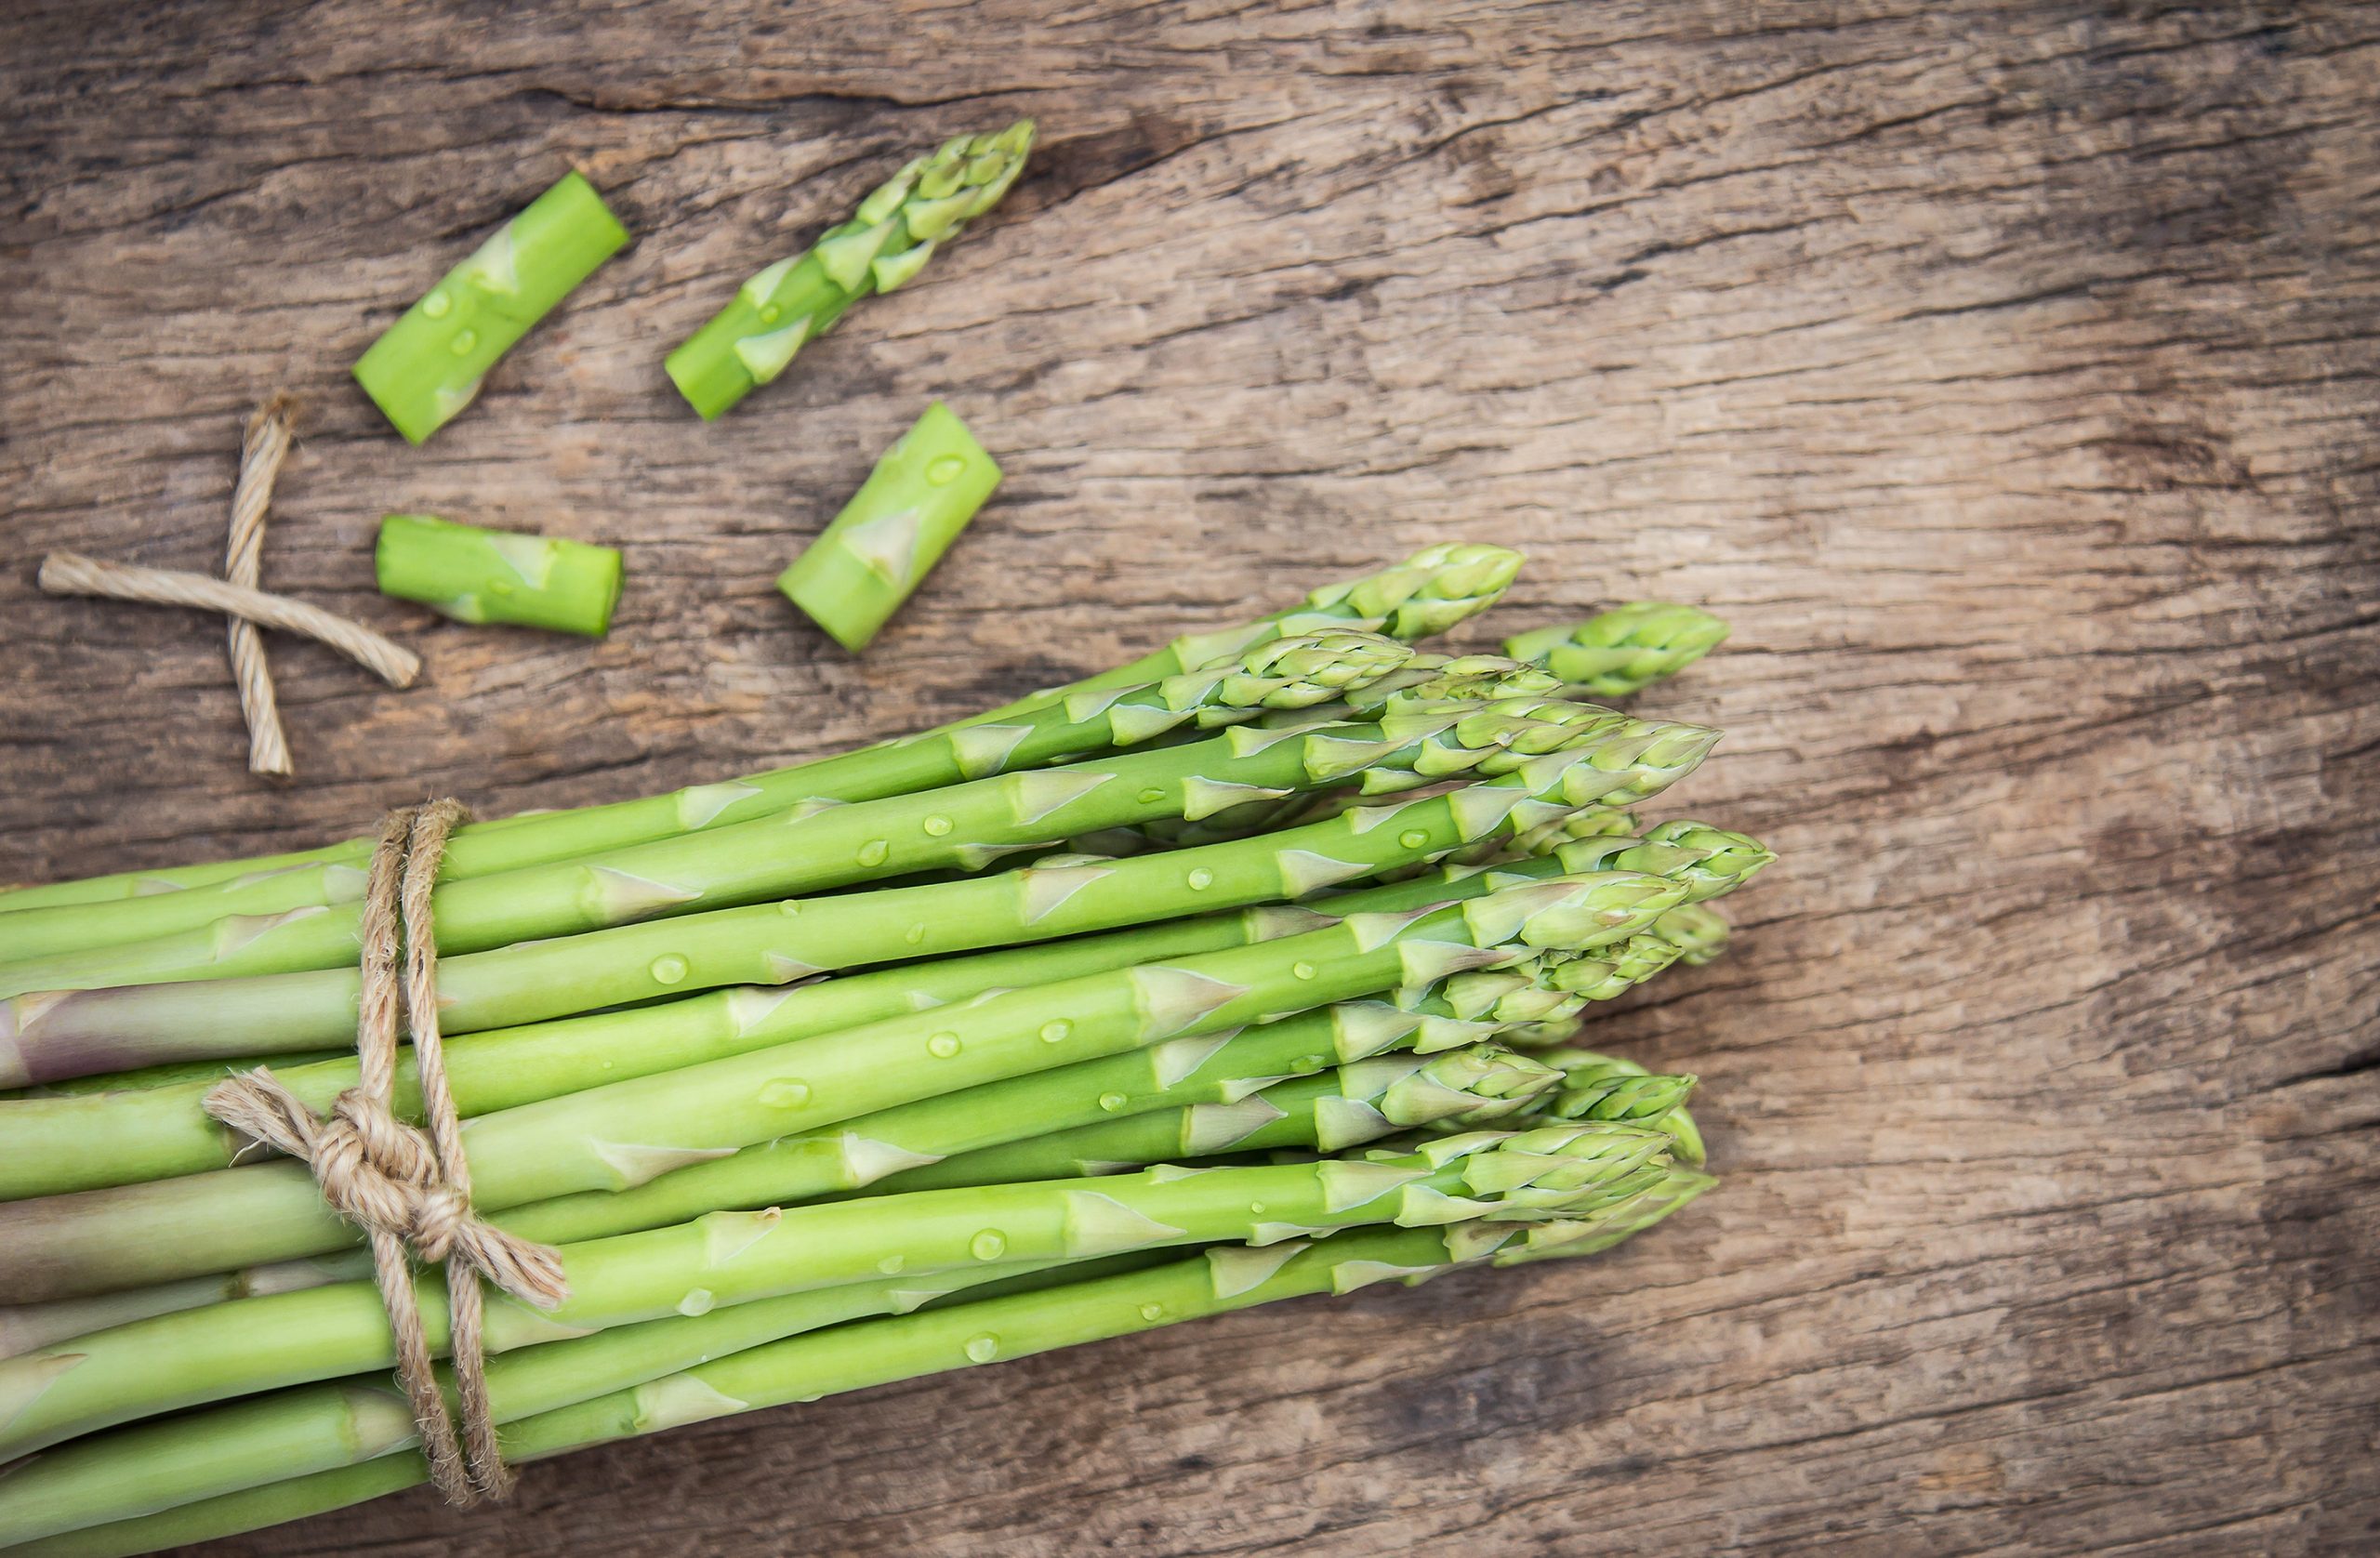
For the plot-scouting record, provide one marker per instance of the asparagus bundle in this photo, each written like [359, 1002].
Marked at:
[1220, 977]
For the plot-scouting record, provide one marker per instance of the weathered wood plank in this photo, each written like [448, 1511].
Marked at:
[2008, 373]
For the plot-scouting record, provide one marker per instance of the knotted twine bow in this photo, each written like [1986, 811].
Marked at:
[403, 1186]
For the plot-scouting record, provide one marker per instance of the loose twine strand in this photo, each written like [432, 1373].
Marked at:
[403, 1185]
[262, 448]
[74, 574]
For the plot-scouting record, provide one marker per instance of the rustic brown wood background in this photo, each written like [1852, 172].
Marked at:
[2009, 375]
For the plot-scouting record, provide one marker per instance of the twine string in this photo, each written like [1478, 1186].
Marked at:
[262, 448]
[74, 574]
[408, 1187]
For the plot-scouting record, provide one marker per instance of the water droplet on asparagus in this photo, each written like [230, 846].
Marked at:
[944, 471]
[943, 1046]
[463, 342]
[1413, 838]
[1200, 880]
[770, 313]
[698, 1300]
[982, 1348]
[937, 825]
[989, 1245]
[915, 933]
[890, 1265]
[435, 303]
[1055, 1032]
[1152, 1310]
[667, 968]
[1151, 796]
[1302, 970]
[875, 851]
[785, 1093]
[1112, 1101]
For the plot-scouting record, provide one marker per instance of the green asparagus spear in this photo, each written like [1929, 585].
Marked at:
[1470, 1006]
[1277, 675]
[497, 576]
[1466, 1007]
[49, 1034]
[895, 528]
[176, 1361]
[275, 1436]
[886, 240]
[814, 848]
[620, 1136]
[51, 1146]
[428, 365]
[858, 1153]
[1331, 1111]
[1623, 650]
[267, 1438]
[1426, 594]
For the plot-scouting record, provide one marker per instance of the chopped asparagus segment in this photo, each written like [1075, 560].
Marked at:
[886, 241]
[895, 528]
[429, 366]
[479, 576]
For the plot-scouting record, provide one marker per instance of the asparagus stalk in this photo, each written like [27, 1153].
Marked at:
[145, 1468]
[277, 1435]
[1280, 674]
[1330, 1111]
[1470, 1006]
[858, 1154]
[50, 1035]
[895, 528]
[182, 1360]
[620, 1136]
[428, 366]
[56, 1145]
[1622, 651]
[497, 576]
[1426, 594]
[1222, 1068]
[888, 240]
[814, 848]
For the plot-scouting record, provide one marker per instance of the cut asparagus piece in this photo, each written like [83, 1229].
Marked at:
[620, 1136]
[895, 528]
[428, 366]
[886, 240]
[1428, 593]
[732, 1258]
[1623, 650]
[50, 1146]
[497, 576]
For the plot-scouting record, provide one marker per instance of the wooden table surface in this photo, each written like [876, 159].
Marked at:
[2008, 375]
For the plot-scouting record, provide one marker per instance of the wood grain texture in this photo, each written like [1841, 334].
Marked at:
[2009, 375]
